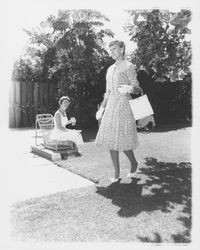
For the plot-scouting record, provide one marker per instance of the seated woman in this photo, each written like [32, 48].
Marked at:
[60, 132]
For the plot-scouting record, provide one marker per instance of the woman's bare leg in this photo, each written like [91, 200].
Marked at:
[115, 159]
[131, 157]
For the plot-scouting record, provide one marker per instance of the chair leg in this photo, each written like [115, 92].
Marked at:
[75, 147]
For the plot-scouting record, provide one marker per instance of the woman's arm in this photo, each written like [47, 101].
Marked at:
[69, 122]
[58, 122]
[108, 86]
[103, 105]
[105, 99]
[132, 76]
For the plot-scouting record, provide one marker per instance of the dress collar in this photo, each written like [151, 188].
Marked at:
[121, 63]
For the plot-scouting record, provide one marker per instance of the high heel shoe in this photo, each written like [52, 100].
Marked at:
[114, 180]
[132, 175]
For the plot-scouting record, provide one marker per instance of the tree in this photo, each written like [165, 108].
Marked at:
[39, 55]
[80, 56]
[69, 49]
[162, 45]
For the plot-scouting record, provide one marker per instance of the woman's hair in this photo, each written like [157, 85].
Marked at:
[119, 43]
[63, 98]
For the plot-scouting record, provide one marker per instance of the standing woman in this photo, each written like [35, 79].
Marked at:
[117, 131]
[60, 132]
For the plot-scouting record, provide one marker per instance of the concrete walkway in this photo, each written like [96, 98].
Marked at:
[31, 176]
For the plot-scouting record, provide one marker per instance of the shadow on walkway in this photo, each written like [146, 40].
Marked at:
[163, 186]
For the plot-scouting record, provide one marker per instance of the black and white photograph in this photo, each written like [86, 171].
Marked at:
[99, 120]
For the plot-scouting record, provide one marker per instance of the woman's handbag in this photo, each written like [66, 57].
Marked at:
[141, 107]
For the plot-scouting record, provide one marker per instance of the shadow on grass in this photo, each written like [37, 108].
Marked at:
[89, 135]
[162, 186]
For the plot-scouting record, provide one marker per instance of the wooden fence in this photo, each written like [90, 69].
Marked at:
[171, 102]
[28, 99]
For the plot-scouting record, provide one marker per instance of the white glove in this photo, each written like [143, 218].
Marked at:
[99, 113]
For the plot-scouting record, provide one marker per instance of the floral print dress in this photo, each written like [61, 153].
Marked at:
[117, 130]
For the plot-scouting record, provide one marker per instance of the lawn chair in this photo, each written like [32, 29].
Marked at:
[46, 123]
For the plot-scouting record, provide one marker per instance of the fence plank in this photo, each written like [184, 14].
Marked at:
[17, 105]
[36, 99]
[41, 97]
[11, 105]
[30, 103]
[47, 99]
[24, 103]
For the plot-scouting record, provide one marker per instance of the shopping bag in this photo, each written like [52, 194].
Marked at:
[141, 107]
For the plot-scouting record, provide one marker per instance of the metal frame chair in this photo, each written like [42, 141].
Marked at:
[46, 123]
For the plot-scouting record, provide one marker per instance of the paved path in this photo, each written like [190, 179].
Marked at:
[31, 176]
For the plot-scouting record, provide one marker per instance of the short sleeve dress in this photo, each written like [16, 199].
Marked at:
[118, 130]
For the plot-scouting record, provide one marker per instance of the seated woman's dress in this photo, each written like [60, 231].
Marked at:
[68, 135]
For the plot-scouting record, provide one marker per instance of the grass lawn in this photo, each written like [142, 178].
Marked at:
[153, 207]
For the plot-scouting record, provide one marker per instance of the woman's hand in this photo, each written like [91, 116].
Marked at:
[136, 90]
[73, 121]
